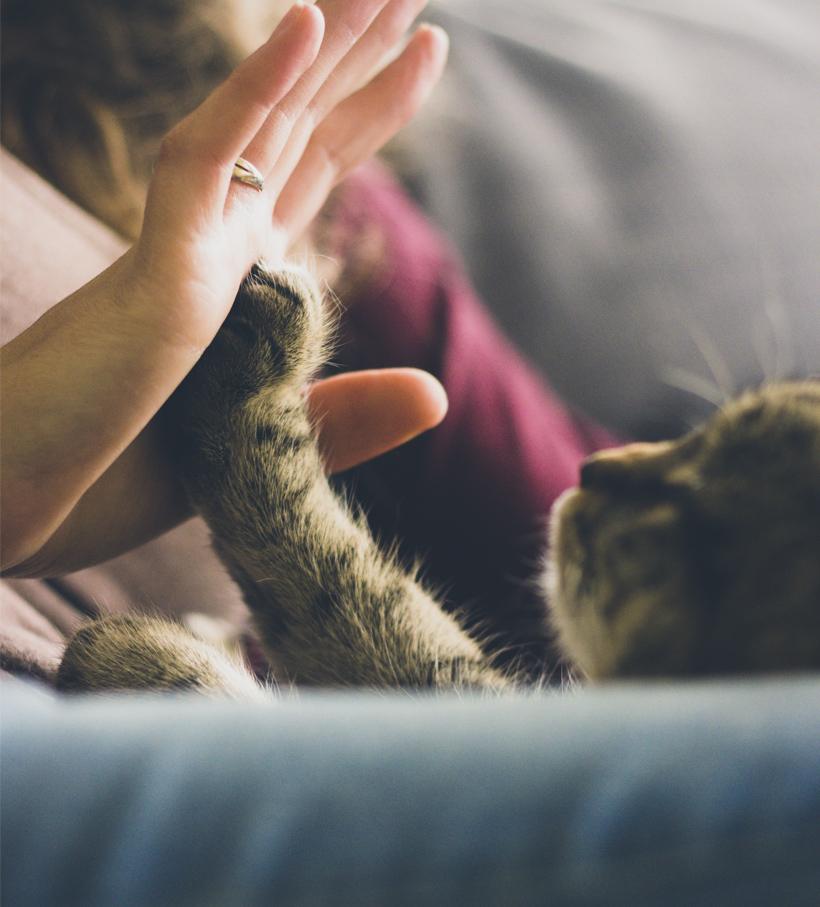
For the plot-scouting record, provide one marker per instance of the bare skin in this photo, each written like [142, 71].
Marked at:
[84, 472]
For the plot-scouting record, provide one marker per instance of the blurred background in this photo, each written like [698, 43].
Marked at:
[635, 185]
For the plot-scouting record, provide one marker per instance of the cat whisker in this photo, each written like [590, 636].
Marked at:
[778, 338]
[694, 384]
[715, 362]
[722, 387]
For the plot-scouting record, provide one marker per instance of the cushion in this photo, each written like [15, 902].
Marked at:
[635, 185]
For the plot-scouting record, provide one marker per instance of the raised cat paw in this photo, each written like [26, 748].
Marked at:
[271, 343]
[280, 318]
[274, 334]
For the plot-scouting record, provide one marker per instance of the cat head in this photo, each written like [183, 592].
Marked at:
[696, 556]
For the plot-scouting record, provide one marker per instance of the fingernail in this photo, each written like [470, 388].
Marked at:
[290, 17]
[442, 37]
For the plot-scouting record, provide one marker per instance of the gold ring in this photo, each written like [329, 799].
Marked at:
[245, 173]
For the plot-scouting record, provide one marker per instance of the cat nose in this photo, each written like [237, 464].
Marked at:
[621, 465]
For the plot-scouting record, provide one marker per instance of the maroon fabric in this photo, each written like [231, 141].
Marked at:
[472, 496]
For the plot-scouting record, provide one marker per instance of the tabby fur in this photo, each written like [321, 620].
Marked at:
[684, 558]
[329, 606]
[697, 556]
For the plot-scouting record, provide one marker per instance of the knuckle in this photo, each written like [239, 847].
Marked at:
[283, 119]
[252, 94]
[174, 146]
[349, 32]
[312, 116]
[329, 159]
[334, 159]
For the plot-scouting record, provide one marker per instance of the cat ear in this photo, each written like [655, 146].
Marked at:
[628, 465]
[642, 466]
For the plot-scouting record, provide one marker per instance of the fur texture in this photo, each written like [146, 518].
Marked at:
[329, 606]
[699, 556]
[682, 558]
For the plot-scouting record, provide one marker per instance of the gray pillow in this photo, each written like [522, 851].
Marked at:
[636, 189]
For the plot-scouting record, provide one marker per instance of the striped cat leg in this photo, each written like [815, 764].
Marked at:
[330, 606]
[138, 653]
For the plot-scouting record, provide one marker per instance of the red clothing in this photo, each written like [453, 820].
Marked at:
[472, 496]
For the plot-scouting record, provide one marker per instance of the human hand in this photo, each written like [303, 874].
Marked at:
[359, 415]
[296, 109]
[84, 474]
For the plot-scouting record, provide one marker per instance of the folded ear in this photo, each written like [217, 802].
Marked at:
[630, 465]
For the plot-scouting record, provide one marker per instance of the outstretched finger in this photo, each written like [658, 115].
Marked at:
[368, 55]
[360, 126]
[363, 414]
[196, 158]
[356, 69]
[346, 22]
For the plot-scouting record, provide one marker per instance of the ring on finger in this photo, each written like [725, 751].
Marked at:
[244, 172]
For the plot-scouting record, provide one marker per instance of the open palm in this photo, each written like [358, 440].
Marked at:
[304, 110]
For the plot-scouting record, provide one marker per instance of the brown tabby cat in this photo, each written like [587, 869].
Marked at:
[693, 557]
[699, 556]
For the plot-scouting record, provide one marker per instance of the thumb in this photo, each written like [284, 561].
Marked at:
[363, 414]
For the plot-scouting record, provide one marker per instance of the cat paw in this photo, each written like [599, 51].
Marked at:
[270, 345]
[273, 337]
[278, 325]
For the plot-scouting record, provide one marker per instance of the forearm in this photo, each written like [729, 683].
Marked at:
[138, 498]
[79, 386]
